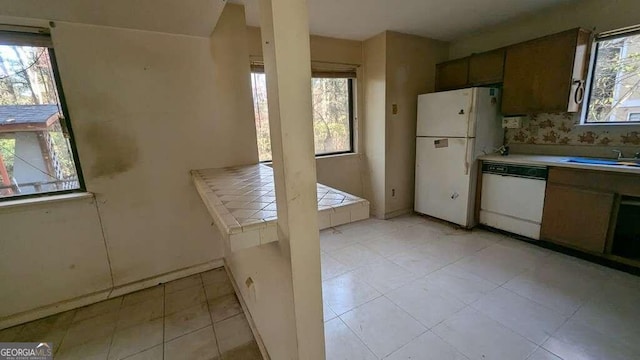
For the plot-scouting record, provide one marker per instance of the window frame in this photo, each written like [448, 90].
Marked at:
[629, 116]
[351, 150]
[65, 122]
[351, 83]
[593, 61]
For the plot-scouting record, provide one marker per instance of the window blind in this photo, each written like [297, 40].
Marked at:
[24, 36]
[318, 69]
[613, 34]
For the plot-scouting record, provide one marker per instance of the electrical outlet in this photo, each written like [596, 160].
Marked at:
[393, 192]
[512, 122]
[394, 109]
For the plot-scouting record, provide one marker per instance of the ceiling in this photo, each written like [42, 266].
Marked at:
[170, 16]
[437, 19]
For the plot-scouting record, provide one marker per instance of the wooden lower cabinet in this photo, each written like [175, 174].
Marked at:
[577, 217]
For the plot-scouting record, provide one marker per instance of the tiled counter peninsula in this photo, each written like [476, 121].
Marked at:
[242, 203]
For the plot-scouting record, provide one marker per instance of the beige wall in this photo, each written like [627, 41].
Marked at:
[270, 296]
[410, 71]
[375, 127]
[398, 67]
[603, 15]
[322, 48]
[50, 253]
[146, 108]
[268, 277]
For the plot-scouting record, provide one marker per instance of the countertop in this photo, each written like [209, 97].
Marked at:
[242, 203]
[559, 161]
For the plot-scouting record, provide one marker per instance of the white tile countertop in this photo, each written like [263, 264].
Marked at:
[560, 161]
[242, 202]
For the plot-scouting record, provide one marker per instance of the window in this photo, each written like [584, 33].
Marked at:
[332, 101]
[614, 93]
[37, 154]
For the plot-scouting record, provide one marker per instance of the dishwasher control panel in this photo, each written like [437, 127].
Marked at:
[515, 170]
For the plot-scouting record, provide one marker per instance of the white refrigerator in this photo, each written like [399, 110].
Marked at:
[453, 129]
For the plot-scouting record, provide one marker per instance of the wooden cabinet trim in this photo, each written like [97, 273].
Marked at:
[493, 60]
[619, 183]
[457, 78]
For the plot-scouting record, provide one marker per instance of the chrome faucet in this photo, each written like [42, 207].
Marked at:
[620, 156]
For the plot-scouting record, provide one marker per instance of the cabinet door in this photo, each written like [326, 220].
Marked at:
[486, 68]
[577, 217]
[452, 74]
[538, 74]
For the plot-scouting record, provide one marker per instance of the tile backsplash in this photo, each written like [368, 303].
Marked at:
[564, 129]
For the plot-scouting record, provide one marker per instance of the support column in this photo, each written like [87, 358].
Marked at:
[285, 42]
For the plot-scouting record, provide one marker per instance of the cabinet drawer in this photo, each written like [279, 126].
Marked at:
[625, 184]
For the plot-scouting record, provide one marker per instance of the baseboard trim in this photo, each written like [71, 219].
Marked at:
[397, 213]
[98, 296]
[166, 277]
[252, 324]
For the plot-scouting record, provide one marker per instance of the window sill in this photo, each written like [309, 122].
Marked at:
[320, 157]
[634, 125]
[45, 200]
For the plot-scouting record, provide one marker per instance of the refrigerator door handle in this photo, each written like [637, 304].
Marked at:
[468, 159]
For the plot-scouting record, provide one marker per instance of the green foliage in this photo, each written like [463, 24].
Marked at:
[26, 78]
[7, 148]
[616, 79]
[62, 149]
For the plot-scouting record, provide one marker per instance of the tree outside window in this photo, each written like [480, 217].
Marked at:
[332, 114]
[35, 152]
[615, 84]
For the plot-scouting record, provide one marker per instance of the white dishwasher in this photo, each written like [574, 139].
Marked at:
[513, 197]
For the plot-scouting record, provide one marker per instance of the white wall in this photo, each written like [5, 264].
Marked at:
[146, 107]
[50, 253]
[601, 15]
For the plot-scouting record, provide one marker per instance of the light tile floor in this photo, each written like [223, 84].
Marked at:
[407, 288]
[413, 288]
[197, 317]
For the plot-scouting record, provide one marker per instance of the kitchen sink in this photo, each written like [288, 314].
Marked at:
[614, 162]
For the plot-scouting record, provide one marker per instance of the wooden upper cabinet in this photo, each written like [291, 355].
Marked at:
[452, 74]
[486, 68]
[546, 74]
